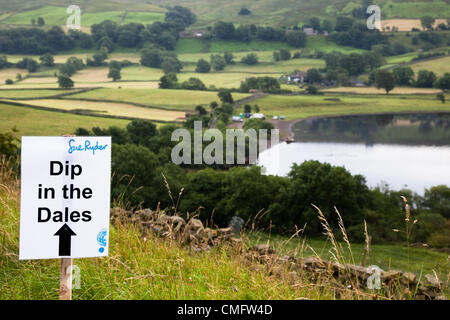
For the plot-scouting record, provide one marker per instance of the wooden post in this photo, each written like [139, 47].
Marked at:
[65, 279]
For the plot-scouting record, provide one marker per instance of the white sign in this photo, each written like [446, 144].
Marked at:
[65, 197]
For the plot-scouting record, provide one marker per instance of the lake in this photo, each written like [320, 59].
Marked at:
[402, 150]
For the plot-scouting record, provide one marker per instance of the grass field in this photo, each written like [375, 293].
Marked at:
[170, 99]
[33, 122]
[222, 79]
[6, 74]
[438, 66]
[54, 15]
[386, 256]
[374, 90]
[303, 106]
[416, 9]
[17, 94]
[321, 43]
[141, 73]
[108, 109]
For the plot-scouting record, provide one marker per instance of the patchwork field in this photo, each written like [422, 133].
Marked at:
[223, 79]
[406, 24]
[181, 100]
[33, 122]
[108, 109]
[303, 106]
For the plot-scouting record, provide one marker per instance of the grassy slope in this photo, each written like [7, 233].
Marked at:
[438, 66]
[266, 12]
[38, 122]
[137, 268]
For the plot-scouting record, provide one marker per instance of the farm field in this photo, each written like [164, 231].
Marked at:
[374, 90]
[438, 66]
[107, 109]
[181, 100]
[6, 74]
[415, 9]
[58, 16]
[21, 94]
[34, 122]
[406, 24]
[304, 106]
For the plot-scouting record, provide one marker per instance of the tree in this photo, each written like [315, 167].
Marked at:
[228, 56]
[296, 39]
[141, 131]
[384, 79]
[441, 97]
[312, 90]
[247, 109]
[65, 82]
[168, 81]
[40, 21]
[313, 75]
[200, 110]
[32, 65]
[170, 64]
[403, 76]
[427, 22]
[114, 73]
[47, 60]
[443, 82]
[314, 22]
[193, 84]
[151, 58]
[225, 96]
[244, 12]
[285, 54]
[425, 79]
[218, 62]
[202, 66]
[276, 55]
[250, 59]
[224, 30]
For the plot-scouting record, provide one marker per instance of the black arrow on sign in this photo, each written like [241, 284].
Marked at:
[65, 237]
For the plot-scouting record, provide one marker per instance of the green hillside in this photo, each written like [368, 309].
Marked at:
[263, 12]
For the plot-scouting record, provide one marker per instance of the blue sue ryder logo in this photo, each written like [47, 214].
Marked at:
[88, 146]
[102, 238]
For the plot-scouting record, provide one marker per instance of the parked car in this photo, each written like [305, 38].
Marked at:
[258, 116]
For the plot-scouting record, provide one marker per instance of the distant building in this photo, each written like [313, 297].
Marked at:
[296, 78]
[310, 31]
[357, 83]
[193, 33]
